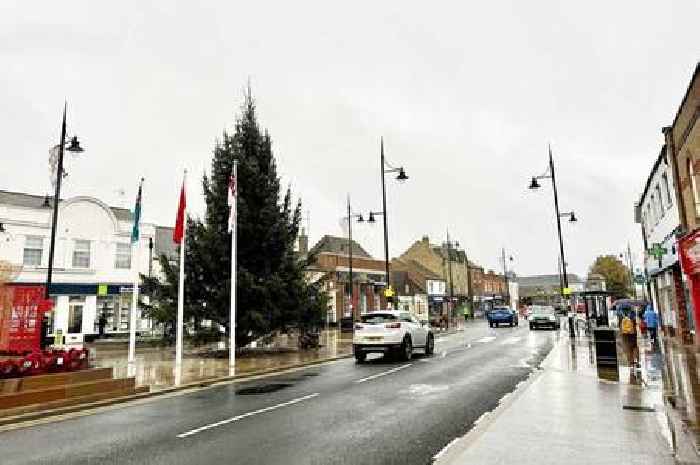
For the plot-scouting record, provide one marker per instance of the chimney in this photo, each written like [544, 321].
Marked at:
[303, 243]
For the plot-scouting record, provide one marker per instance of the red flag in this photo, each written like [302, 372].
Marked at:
[180, 219]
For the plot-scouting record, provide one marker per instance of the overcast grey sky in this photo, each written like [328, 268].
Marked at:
[466, 94]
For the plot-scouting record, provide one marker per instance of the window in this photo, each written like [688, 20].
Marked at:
[81, 254]
[123, 258]
[75, 314]
[33, 249]
[667, 189]
[693, 185]
[660, 200]
[650, 215]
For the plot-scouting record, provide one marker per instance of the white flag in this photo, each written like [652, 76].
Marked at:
[231, 202]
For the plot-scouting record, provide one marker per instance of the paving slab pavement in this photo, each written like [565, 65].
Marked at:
[565, 414]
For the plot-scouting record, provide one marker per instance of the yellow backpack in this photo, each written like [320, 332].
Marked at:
[627, 326]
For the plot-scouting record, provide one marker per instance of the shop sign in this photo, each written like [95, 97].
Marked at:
[661, 255]
[689, 247]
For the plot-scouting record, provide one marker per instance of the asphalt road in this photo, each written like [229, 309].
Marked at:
[380, 412]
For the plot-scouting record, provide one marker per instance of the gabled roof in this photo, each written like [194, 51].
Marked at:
[338, 246]
[19, 199]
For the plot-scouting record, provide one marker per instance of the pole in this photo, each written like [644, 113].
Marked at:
[449, 267]
[630, 265]
[57, 196]
[150, 256]
[234, 253]
[505, 276]
[565, 279]
[181, 285]
[386, 233]
[134, 303]
[350, 277]
[469, 285]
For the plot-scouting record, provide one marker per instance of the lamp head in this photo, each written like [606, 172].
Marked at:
[402, 175]
[371, 218]
[572, 218]
[534, 184]
[74, 145]
[360, 219]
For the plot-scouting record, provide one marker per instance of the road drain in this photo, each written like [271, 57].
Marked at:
[262, 389]
[638, 408]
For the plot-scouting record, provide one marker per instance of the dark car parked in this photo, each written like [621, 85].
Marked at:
[502, 315]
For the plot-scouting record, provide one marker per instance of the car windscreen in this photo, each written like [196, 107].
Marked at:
[543, 310]
[378, 318]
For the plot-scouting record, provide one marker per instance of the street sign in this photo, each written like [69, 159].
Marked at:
[639, 279]
[388, 292]
[566, 291]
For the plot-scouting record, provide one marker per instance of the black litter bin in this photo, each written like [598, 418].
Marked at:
[606, 351]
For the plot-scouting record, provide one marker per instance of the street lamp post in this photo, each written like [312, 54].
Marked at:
[73, 147]
[350, 216]
[505, 275]
[449, 271]
[386, 168]
[628, 254]
[572, 218]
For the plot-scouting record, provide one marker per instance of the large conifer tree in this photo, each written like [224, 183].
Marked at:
[272, 291]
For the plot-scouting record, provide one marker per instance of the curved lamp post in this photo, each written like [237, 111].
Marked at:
[72, 146]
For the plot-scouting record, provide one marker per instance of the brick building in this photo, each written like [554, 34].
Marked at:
[331, 263]
[683, 149]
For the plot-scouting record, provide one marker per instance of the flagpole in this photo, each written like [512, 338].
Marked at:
[135, 239]
[181, 285]
[134, 302]
[234, 230]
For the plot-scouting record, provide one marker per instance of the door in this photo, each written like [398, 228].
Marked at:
[419, 333]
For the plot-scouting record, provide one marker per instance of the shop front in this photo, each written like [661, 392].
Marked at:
[689, 248]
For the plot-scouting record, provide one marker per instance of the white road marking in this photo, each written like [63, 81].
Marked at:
[512, 340]
[443, 354]
[246, 415]
[486, 339]
[384, 373]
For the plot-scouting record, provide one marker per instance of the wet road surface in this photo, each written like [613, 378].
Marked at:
[380, 412]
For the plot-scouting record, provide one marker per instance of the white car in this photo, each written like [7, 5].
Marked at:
[391, 331]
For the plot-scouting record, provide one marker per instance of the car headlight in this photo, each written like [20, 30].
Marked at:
[552, 318]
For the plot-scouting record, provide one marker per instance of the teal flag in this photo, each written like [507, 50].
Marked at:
[137, 215]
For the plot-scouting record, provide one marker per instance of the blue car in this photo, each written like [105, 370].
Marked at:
[502, 315]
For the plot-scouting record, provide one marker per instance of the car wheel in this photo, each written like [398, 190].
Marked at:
[430, 345]
[406, 349]
[360, 357]
[532, 327]
[511, 323]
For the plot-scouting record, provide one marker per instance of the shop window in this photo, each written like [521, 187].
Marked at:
[33, 249]
[75, 314]
[123, 257]
[81, 254]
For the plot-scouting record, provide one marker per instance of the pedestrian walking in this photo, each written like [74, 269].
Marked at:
[652, 322]
[629, 337]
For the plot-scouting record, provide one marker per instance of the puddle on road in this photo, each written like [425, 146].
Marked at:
[262, 389]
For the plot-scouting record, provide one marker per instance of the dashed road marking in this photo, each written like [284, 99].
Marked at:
[246, 415]
[384, 373]
[511, 340]
[486, 339]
